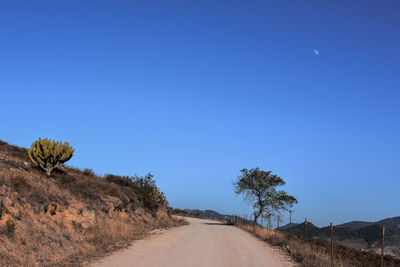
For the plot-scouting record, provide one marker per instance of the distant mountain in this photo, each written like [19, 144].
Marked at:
[298, 229]
[287, 226]
[389, 223]
[355, 225]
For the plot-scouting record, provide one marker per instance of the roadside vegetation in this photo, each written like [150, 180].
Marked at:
[55, 215]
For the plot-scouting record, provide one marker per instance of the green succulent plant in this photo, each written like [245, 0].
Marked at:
[48, 154]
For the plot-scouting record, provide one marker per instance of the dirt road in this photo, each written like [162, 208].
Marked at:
[202, 243]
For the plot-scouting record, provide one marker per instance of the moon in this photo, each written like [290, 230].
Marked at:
[316, 52]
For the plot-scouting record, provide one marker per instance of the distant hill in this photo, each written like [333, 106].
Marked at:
[216, 215]
[287, 226]
[389, 223]
[355, 225]
[208, 214]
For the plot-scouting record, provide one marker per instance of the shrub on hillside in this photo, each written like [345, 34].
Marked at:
[49, 154]
[151, 196]
[145, 187]
[89, 172]
[120, 180]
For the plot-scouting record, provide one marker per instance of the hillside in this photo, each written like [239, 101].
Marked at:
[71, 217]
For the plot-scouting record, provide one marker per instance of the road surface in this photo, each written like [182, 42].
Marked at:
[202, 243]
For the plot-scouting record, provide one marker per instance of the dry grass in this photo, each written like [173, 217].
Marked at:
[68, 219]
[316, 253]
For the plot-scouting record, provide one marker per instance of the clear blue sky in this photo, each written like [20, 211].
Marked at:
[194, 91]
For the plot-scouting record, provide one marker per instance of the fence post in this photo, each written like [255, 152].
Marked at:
[290, 225]
[278, 221]
[305, 222]
[383, 245]
[332, 244]
[269, 222]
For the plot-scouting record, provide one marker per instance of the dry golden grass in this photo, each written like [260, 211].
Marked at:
[316, 253]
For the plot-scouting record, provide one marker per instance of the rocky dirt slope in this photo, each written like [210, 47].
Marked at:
[69, 218]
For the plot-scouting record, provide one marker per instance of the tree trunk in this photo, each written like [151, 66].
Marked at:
[48, 171]
[255, 219]
[258, 214]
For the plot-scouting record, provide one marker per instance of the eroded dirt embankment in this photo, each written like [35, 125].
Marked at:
[69, 218]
